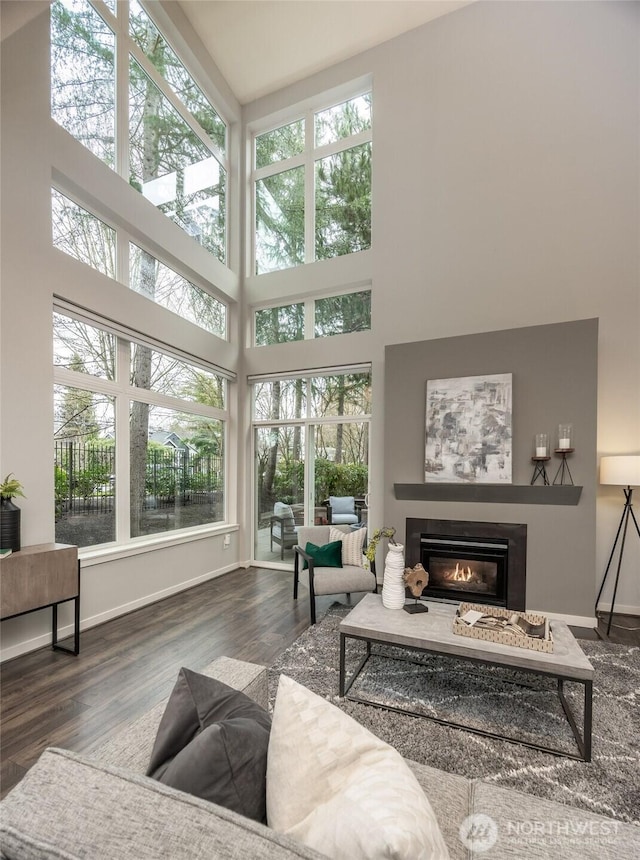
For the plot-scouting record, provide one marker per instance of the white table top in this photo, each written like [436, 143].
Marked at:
[433, 631]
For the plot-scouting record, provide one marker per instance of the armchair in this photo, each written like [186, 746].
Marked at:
[283, 527]
[330, 580]
[344, 510]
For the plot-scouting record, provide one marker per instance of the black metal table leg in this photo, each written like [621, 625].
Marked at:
[343, 686]
[76, 631]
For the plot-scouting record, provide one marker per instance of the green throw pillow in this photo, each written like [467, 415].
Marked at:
[329, 555]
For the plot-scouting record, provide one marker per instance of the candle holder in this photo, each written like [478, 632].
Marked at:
[541, 456]
[565, 437]
[542, 445]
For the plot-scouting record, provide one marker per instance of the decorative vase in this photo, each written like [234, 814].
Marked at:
[393, 584]
[9, 525]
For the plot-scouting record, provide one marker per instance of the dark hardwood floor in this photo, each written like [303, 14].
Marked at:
[127, 665]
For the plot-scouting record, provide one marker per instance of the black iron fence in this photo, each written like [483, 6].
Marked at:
[85, 477]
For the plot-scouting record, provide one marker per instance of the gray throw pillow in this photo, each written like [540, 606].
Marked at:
[212, 742]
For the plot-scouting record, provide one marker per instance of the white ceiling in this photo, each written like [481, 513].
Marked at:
[263, 45]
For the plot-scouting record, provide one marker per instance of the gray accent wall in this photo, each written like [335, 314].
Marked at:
[554, 371]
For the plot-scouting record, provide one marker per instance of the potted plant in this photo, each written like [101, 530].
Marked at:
[10, 513]
[376, 537]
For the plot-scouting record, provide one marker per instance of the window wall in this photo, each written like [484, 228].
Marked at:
[83, 235]
[312, 185]
[173, 148]
[139, 438]
[311, 441]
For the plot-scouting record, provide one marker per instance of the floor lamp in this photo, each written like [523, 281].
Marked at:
[622, 472]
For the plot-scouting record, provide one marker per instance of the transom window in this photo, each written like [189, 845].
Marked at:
[322, 317]
[83, 235]
[174, 150]
[312, 186]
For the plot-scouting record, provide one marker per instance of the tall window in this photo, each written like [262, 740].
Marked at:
[176, 153]
[312, 186]
[160, 469]
[311, 441]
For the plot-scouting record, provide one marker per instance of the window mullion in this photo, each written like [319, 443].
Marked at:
[123, 459]
[155, 398]
[279, 167]
[122, 257]
[343, 143]
[309, 319]
[150, 70]
[85, 381]
[122, 93]
[309, 190]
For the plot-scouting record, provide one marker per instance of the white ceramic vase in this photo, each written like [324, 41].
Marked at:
[393, 583]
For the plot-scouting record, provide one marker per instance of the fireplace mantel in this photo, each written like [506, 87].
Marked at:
[509, 494]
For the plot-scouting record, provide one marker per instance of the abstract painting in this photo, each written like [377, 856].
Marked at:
[468, 430]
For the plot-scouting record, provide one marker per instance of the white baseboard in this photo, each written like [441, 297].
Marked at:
[589, 620]
[86, 623]
[622, 608]
[571, 620]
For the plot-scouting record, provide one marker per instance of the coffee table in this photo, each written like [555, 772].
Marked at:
[432, 632]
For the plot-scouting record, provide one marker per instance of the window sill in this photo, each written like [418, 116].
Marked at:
[89, 556]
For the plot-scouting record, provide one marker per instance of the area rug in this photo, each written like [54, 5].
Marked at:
[494, 699]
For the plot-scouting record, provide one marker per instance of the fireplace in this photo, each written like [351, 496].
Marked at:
[477, 562]
[460, 567]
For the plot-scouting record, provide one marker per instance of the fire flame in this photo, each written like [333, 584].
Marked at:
[461, 575]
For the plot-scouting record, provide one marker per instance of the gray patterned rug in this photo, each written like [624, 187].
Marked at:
[493, 699]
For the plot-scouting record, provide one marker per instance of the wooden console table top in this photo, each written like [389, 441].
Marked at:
[37, 576]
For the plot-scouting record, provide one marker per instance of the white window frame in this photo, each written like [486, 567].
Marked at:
[122, 393]
[126, 48]
[309, 312]
[308, 423]
[306, 159]
[123, 239]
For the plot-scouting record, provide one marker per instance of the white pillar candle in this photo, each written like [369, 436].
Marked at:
[541, 451]
[565, 443]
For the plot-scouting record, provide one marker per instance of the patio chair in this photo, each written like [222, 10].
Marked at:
[343, 510]
[283, 527]
[348, 579]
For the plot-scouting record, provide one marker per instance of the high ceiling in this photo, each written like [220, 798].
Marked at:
[262, 45]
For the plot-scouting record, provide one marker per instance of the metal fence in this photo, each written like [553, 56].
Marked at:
[85, 477]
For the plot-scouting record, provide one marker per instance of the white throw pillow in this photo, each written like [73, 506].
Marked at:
[352, 544]
[339, 789]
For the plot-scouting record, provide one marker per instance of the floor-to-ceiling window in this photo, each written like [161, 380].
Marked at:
[311, 441]
[140, 408]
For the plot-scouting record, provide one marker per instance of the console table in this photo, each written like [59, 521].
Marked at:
[38, 577]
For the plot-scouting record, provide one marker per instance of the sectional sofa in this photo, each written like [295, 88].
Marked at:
[101, 805]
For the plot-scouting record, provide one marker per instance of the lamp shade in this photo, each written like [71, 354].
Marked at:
[622, 471]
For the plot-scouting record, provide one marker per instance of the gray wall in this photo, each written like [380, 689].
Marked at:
[554, 371]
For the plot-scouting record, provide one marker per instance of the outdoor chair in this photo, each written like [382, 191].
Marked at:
[348, 579]
[283, 527]
[343, 510]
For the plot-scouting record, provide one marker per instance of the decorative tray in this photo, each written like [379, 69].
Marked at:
[505, 626]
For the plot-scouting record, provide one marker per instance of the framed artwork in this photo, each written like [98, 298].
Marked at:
[468, 430]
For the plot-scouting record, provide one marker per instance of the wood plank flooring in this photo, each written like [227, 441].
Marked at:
[127, 665]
